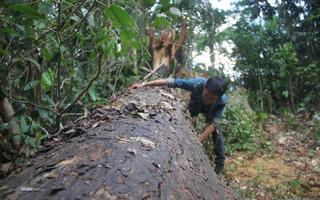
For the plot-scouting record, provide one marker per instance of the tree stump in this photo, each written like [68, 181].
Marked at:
[142, 146]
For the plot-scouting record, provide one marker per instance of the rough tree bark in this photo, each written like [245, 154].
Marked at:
[6, 113]
[117, 154]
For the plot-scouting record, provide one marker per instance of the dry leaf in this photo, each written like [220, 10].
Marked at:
[5, 167]
[298, 164]
[95, 124]
[123, 140]
[237, 180]
[164, 105]
[95, 156]
[27, 189]
[143, 141]
[141, 115]
[279, 150]
[54, 176]
[132, 151]
[119, 103]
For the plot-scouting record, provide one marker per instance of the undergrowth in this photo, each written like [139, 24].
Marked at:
[243, 132]
[240, 130]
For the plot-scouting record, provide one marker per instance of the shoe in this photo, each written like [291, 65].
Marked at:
[219, 169]
[219, 173]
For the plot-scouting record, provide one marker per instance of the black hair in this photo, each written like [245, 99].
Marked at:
[216, 85]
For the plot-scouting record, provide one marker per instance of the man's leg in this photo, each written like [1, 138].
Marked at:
[219, 150]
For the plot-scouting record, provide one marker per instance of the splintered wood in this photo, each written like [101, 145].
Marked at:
[164, 47]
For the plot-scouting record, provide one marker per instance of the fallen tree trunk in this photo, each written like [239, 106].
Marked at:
[116, 154]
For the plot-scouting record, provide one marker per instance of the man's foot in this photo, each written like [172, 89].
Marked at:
[219, 170]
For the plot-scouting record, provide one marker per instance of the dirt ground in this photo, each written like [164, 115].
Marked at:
[288, 168]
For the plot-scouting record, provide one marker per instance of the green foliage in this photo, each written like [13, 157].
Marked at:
[33, 141]
[20, 112]
[123, 19]
[242, 130]
[294, 186]
[27, 10]
[93, 94]
[47, 80]
[286, 59]
[3, 52]
[158, 21]
[8, 31]
[284, 52]
[243, 133]
[148, 3]
[285, 93]
[199, 126]
[5, 126]
[68, 47]
[31, 85]
[62, 44]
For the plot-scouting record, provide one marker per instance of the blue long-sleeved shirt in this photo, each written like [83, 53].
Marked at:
[196, 86]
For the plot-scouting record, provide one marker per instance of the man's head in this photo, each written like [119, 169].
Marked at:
[213, 89]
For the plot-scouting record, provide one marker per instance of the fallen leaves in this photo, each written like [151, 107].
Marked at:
[95, 156]
[293, 156]
[143, 141]
[141, 115]
[27, 189]
[6, 167]
[53, 176]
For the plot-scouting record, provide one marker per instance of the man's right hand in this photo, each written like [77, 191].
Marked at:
[138, 85]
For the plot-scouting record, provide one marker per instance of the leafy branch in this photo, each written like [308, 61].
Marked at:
[84, 91]
[11, 63]
[82, 20]
[31, 103]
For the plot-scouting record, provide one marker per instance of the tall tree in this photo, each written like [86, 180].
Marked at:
[288, 22]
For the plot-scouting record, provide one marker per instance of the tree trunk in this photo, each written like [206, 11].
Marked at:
[260, 84]
[113, 154]
[297, 86]
[291, 95]
[270, 103]
[6, 112]
[273, 94]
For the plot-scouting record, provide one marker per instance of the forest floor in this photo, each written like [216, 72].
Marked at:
[288, 168]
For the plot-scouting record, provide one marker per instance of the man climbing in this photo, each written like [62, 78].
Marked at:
[208, 97]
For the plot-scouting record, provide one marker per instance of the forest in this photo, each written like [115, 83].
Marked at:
[61, 60]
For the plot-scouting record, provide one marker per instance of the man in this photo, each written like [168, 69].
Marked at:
[208, 97]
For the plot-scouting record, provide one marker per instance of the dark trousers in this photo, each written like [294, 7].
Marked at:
[219, 149]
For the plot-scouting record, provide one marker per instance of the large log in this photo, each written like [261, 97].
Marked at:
[115, 154]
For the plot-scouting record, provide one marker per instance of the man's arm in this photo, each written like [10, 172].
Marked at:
[207, 132]
[151, 83]
[212, 127]
[215, 121]
[186, 84]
